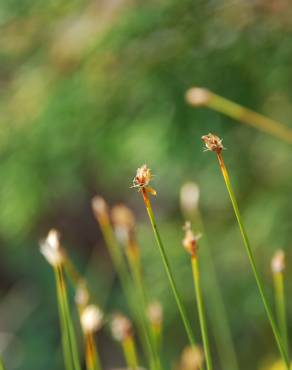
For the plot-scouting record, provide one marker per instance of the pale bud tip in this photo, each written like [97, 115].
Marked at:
[278, 261]
[91, 319]
[99, 206]
[121, 327]
[190, 241]
[155, 313]
[198, 96]
[192, 358]
[189, 198]
[82, 294]
[51, 248]
[123, 222]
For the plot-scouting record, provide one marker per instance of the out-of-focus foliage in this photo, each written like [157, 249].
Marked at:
[91, 90]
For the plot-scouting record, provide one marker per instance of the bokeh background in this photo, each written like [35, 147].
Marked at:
[89, 91]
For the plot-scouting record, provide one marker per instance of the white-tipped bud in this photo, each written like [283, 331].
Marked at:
[192, 358]
[82, 294]
[51, 248]
[121, 327]
[198, 96]
[91, 319]
[100, 208]
[155, 313]
[189, 198]
[278, 261]
[190, 240]
[123, 222]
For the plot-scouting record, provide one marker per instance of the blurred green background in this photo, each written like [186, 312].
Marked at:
[89, 91]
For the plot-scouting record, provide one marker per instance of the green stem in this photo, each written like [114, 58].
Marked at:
[201, 311]
[245, 115]
[168, 271]
[281, 306]
[63, 324]
[135, 267]
[259, 283]
[2, 367]
[218, 315]
[130, 353]
[91, 354]
[68, 320]
[123, 274]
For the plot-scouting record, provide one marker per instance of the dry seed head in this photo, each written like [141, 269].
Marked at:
[189, 198]
[155, 313]
[82, 294]
[123, 222]
[192, 358]
[198, 96]
[143, 177]
[121, 327]
[190, 241]
[100, 208]
[213, 143]
[51, 248]
[91, 319]
[278, 261]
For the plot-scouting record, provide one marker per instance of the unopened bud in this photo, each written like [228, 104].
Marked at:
[155, 313]
[198, 96]
[91, 319]
[278, 261]
[192, 358]
[100, 209]
[121, 327]
[190, 241]
[189, 198]
[51, 248]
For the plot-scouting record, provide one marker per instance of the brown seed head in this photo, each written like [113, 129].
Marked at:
[198, 96]
[143, 177]
[192, 358]
[213, 143]
[278, 261]
[190, 241]
[155, 313]
[121, 327]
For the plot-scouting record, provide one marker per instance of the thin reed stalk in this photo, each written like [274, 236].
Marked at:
[101, 214]
[141, 181]
[190, 199]
[130, 353]
[190, 244]
[91, 354]
[2, 367]
[214, 144]
[278, 267]
[202, 97]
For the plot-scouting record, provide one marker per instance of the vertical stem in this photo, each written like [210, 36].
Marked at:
[91, 354]
[218, 314]
[168, 271]
[68, 320]
[259, 283]
[121, 268]
[281, 306]
[201, 311]
[130, 352]
[135, 266]
[2, 367]
[63, 324]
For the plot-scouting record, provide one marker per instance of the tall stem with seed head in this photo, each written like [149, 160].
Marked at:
[202, 97]
[213, 143]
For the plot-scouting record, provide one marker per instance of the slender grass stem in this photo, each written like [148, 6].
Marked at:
[91, 354]
[2, 367]
[134, 263]
[123, 274]
[278, 278]
[67, 321]
[246, 242]
[168, 271]
[218, 314]
[240, 113]
[130, 353]
[63, 324]
[201, 311]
